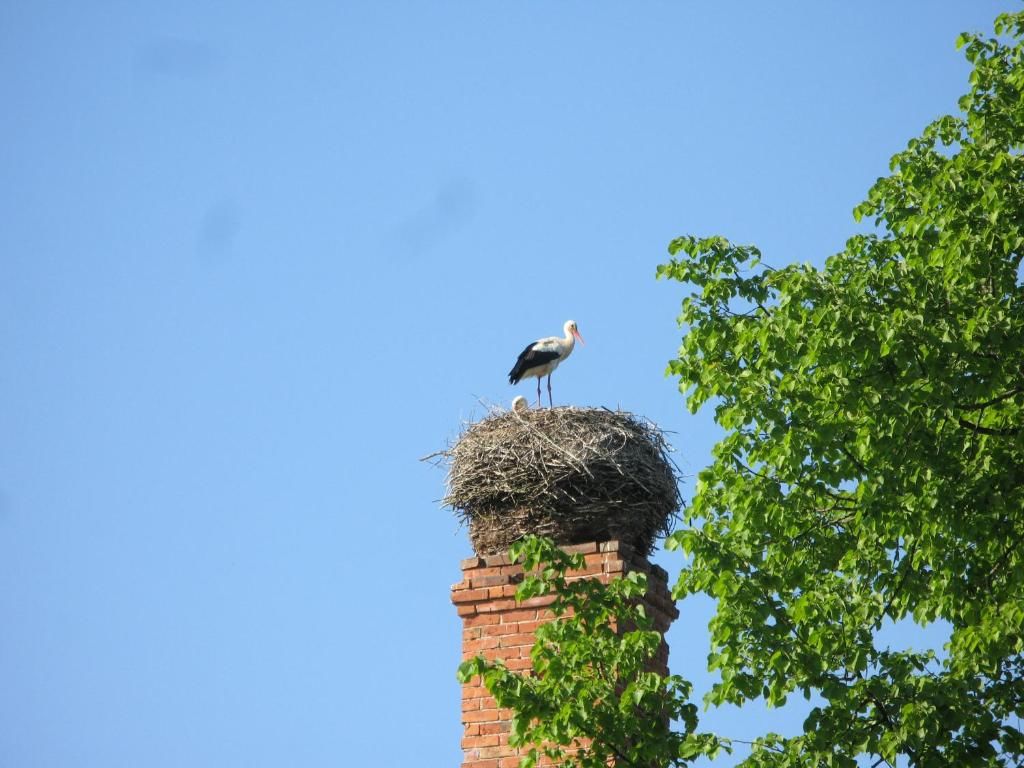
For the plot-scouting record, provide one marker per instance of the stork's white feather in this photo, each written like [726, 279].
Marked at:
[543, 356]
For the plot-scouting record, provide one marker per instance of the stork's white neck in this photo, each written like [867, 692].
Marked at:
[569, 342]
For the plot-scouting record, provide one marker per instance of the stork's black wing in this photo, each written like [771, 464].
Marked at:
[531, 357]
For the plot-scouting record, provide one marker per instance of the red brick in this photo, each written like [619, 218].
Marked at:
[493, 606]
[481, 716]
[492, 561]
[581, 548]
[497, 630]
[538, 602]
[491, 654]
[489, 581]
[472, 646]
[469, 595]
[530, 626]
[590, 570]
[491, 571]
[509, 590]
[503, 727]
[482, 620]
[523, 638]
[497, 751]
[522, 614]
[470, 742]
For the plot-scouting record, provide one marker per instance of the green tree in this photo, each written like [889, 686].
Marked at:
[872, 470]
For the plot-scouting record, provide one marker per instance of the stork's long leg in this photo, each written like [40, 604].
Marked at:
[538, 392]
[550, 404]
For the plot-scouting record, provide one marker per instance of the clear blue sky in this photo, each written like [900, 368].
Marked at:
[258, 258]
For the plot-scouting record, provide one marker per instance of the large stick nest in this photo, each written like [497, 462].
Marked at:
[572, 474]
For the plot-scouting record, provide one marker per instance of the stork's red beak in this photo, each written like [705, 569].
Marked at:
[578, 337]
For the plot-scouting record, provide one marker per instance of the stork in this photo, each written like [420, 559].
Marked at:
[543, 356]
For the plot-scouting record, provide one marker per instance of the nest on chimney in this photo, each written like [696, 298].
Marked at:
[572, 474]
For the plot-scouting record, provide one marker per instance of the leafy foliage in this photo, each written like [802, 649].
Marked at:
[873, 468]
[872, 472]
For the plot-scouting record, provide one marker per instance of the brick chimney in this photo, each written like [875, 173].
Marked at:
[495, 626]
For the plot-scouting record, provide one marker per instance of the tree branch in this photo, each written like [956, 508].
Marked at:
[995, 431]
[909, 560]
[993, 401]
[856, 462]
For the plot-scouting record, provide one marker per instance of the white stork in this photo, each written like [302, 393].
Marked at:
[543, 356]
